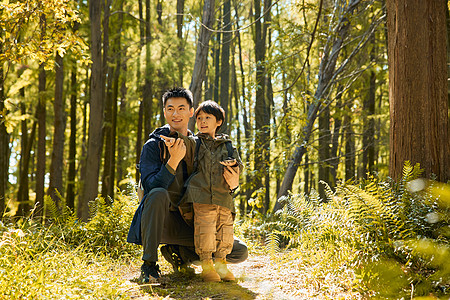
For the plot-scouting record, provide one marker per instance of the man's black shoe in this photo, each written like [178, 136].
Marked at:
[149, 272]
[172, 255]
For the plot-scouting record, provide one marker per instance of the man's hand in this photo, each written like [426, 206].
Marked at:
[231, 176]
[177, 150]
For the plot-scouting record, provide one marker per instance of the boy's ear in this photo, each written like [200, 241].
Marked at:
[219, 122]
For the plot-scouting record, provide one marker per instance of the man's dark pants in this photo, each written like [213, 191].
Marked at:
[160, 225]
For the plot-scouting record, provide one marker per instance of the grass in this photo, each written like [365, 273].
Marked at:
[36, 265]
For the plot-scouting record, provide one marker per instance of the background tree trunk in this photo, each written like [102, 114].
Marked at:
[23, 197]
[94, 150]
[59, 126]
[418, 87]
[217, 46]
[147, 95]
[71, 174]
[41, 147]
[180, 18]
[4, 143]
[201, 56]
[261, 138]
[225, 68]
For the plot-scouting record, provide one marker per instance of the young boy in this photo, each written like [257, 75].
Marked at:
[208, 191]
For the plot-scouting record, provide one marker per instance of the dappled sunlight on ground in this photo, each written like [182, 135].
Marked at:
[261, 276]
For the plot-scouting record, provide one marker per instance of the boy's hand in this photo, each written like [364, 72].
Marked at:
[229, 162]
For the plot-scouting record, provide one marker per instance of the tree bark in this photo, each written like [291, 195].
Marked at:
[4, 143]
[217, 45]
[59, 126]
[350, 152]
[71, 174]
[147, 95]
[41, 147]
[225, 69]
[418, 87]
[324, 149]
[201, 56]
[261, 125]
[90, 185]
[247, 127]
[180, 18]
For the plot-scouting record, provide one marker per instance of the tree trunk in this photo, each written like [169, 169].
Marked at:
[217, 62]
[4, 143]
[324, 150]
[247, 127]
[147, 95]
[261, 138]
[368, 142]
[59, 126]
[225, 69]
[350, 152]
[180, 18]
[71, 174]
[123, 144]
[201, 56]
[94, 150]
[25, 154]
[334, 156]
[418, 87]
[140, 123]
[108, 71]
[41, 149]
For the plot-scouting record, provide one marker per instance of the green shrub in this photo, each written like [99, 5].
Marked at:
[394, 236]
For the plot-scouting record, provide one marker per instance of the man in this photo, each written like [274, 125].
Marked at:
[163, 173]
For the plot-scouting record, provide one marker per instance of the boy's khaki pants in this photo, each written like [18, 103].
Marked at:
[213, 231]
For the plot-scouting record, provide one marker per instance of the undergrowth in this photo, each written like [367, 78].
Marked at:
[392, 239]
[66, 258]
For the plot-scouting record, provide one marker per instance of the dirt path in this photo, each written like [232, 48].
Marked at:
[259, 277]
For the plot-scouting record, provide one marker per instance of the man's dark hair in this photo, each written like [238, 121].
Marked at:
[178, 92]
[212, 108]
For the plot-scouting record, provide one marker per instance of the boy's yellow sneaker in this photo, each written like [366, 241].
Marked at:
[222, 270]
[209, 274]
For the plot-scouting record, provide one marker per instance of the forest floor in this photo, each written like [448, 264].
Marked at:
[261, 276]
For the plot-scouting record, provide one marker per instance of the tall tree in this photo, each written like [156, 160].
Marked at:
[140, 118]
[59, 126]
[261, 125]
[90, 184]
[180, 18]
[71, 173]
[108, 142]
[4, 142]
[201, 55]
[225, 65]
[418, 87]
[368, 143]
[23, 191]
[147, 93]
[41, 147]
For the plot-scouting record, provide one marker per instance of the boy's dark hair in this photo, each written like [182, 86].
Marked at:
[178, 92]
[212, 108]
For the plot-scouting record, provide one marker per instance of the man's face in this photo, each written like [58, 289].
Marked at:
[177, 114]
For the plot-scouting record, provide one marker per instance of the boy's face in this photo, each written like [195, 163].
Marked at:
[207, 123]
[177, 114]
